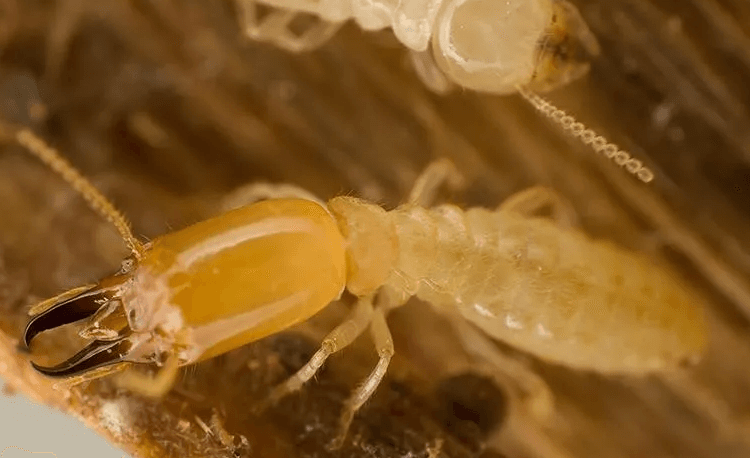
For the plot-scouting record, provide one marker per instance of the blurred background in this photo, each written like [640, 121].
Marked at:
[63, 435]
[167, 106]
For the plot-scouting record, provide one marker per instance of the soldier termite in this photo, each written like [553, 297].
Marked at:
[535, 283]
[500, 47]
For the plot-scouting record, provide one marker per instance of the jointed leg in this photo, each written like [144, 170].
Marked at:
[428, 71]
[154, 386]
[384, 344]
[528, 202]
[275, 27]
[427, 183]
[313, 37]
[343, 335]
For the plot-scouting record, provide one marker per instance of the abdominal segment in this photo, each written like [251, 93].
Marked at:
[554, 293]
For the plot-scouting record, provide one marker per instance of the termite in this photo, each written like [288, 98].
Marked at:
[499, 47]
[534, 282]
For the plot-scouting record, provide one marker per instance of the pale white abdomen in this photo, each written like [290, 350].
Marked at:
[552, 292]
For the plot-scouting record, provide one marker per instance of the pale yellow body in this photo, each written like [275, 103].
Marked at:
[249, 273]
[494, 46]
[486, 45]
[526, 281]
[257, 270]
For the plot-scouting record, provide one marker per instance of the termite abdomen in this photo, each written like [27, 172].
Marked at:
[551, 291]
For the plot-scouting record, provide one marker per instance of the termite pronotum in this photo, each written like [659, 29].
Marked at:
[535, 283]
[499, 47]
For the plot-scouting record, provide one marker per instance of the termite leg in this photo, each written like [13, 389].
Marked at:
[274, 27]
[153, 386]
[435, 175]
[533, 392]
[428, 71]
[381, 336]
[530, 201]
[253, 192]
[341, 336]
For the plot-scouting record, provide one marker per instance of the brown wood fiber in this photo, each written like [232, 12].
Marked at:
[167, 107]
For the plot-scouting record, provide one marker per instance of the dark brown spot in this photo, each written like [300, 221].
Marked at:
[293, 350]
[471, 406]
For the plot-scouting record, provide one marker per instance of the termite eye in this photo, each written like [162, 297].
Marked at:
[488, 45]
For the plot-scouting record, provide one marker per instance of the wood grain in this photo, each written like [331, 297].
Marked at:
[167, 107]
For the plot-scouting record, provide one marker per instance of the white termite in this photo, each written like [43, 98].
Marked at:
[495, 46]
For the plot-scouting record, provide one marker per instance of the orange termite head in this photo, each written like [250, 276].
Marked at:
[564, 50]
[200, 291]
[205, 289]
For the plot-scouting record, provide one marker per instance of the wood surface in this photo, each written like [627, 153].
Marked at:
[167, 107]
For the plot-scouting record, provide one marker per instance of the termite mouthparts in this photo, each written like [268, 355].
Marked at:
[84, 304]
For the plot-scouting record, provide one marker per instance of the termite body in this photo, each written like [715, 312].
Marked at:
[550, 291]
[486, 45]
[498, 47]
[536, 283]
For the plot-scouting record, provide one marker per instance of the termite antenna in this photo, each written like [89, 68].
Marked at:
[96, 200]
[597, 142]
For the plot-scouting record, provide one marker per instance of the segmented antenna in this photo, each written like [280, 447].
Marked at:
[588, 136]
[93, 197]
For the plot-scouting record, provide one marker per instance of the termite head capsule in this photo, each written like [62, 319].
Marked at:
[531, 43]
[206, 289]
